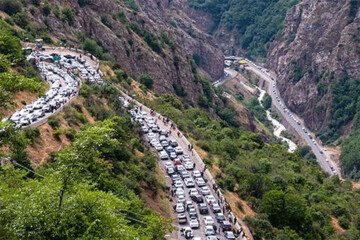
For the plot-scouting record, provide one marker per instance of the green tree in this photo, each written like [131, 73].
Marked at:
[68, 15]
[11, 6]
[146, 80]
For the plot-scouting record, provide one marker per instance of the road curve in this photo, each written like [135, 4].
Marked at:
[290, 117]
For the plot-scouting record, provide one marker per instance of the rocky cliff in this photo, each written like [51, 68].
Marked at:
[129, 41]
[320, 45]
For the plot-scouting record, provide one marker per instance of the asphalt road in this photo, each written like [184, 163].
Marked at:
[199, 166]
[291, 118]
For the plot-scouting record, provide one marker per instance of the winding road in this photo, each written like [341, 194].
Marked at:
[288, 116]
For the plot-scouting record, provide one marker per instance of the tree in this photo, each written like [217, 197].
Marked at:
[68, 15]
[146, 80]
[11, 6]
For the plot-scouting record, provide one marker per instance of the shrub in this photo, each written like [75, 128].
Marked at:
[82, 3]
[68, 15]
[54, 122]
[106, 21]
[146, 80]
[344, 222]
[46, 9]
[21, 20]
[36, 2]
[32, 134]
[180, 91]
[11, 6]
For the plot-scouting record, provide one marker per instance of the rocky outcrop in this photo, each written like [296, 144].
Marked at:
[132, 51]
[319, 45]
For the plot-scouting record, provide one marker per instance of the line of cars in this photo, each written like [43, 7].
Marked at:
[63, 86]
[196, 208]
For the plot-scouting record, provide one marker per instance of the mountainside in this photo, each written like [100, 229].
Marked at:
[152, 37]
[242, 26]
[316, 60]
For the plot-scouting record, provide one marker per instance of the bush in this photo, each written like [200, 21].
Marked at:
[146, 80]
[21, 20]
[344, 222]
[32, 134]
[106, 21]
[11, 6]
[68, 15]
[82, 3]
[46, 9]
[180, 91]
[92, 47]
[36, 2]
[54, 122]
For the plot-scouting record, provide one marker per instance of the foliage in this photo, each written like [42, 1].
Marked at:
[354, 6]
[258, 22]
[83, 3]
[180, 91]
[297, 72]
[46, 9]
[10, 6]
[267, 101]
[132, 4]
[148, 37]
[105, 21]
[146, 80]
[68, 15]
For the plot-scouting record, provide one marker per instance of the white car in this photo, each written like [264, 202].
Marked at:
[179, 208]
[163, 155]
[208, 220]
[193, 192]
[200, 182]
[151, 135]
[158, 147]
[205, 190]
[181, 198]
[210, 199]
[178, 184]
[173, 155]
[179, 191]
[186, 158]
[179, 150]
[194, 223]
[209, 230]
[154, 142]
[189, 165]
[196, 174]
[168, 164]
[145, 129]
[189, 182]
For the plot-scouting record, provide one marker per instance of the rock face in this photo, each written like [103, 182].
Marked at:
[320, 44]
[130, 49]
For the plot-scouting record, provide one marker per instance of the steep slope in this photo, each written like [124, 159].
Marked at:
[319, 46]
[152, 37]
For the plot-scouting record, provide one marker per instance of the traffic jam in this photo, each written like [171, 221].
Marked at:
[62, 74]
[199, 214]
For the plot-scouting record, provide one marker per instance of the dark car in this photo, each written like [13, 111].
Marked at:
[220, 217]
[68, 56]
[169, 150]
[203, 208]
[197, 199]
[226, 226]
[173, 143]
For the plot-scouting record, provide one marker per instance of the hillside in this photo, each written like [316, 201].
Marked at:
[317, 63]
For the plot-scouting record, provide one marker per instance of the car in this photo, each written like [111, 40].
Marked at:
[151, 135]
[181, 198]
[189, 182]
[200, 182]
[162, 138]
[184, 174]
[209, 230]
[229, 235]
[163, 155]
[174, 178]
[216, 208]
[194, 223]
[179, 191]
[197, 199]
[196, 174]
[164, 143]
[226, 226]
[145, 129]
[182, 219]
[173, 155]
[168, 164]
[164, 132]
[212, 238]
[186, 157]
[178, 150]
[187, 232]
[220, 217]
[170, 170]
[193, 192]
[158, 147]
[327, 160]
[178, 184]
[173, 143]
[189, 165]
[203, 208]
[177, 161]
[153, 142]
[210, 199]
[179, 208]
[169, 150]
[208, 220]
[205, 190]
[24, 121]
[189, 204]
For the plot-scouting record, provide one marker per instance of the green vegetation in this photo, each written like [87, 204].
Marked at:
[105, 21]
[258, 21]
[146, 80]
[132, 4]
[83, 3]
[148, 37]
[354, 6]
[89, 191]
[10, 6]
[292, 196]
[68, 15]
[180, 91]
[297, 72]
[267, 101]
[11, 55]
